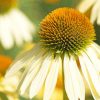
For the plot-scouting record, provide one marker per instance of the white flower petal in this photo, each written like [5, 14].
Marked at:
[96, 48]
[22, 60]
[15, 31]
[27, 23]
[40, 77]
[93, 57]
[85, 5]
[29, 68]
[34, 68]
[52, 78]
[95, 11]
[5, 33]
[24, 32]
[73, 80]
[91, 76]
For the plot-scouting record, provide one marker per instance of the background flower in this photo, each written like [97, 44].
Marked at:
[4, 63]
[94, 5]
[15, 27]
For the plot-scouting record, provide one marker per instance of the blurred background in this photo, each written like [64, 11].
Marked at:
[35, 11]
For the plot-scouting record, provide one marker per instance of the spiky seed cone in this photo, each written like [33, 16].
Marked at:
[66, 30]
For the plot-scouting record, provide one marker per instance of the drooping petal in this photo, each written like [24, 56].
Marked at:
[34, 68]
[27, 23]
[85, 5]
[38, 81]
[73, 80]
[91, 75]
[26, 26]
[52, 78]
[93, 57]
[95, 11]
[96, 47]
[6, 37]
[21, 61]
[24, 32]
[18, 39]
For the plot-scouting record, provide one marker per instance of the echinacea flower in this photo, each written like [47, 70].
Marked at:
[67, 41]
[94, 5]
[15, 27]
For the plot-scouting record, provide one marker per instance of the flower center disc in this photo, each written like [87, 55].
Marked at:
[66, 30]
[6, 5]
